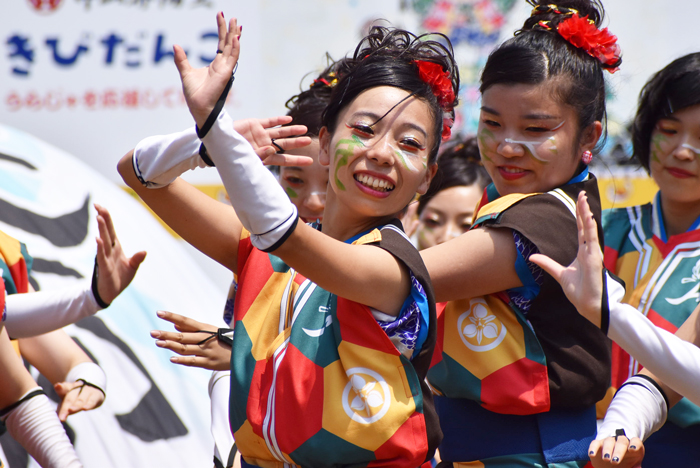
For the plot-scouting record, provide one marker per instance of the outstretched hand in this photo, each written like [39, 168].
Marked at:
[619, 452]
[260, 133]
[191, 343]
[582, 281]
[115, 270]
[77, 397]
[203, 86]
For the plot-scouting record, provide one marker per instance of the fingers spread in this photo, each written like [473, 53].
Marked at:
[287, 160]
[183, 66]
[548, 265]
[183, 323]
[288, 131]
[221, 26]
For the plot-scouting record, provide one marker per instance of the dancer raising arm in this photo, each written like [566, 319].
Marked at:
[354, 359]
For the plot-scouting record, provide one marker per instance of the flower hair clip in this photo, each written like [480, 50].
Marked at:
[441, 85]
[325, 82]
[439, 81]
[583, 34]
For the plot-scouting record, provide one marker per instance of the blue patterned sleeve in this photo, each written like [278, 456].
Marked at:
[409, 330]
[531, 275]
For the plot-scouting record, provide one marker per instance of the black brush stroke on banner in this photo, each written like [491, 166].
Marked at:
[16, 160]
[153, 418]
[67, 230]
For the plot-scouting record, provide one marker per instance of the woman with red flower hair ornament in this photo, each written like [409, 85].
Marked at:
[333, 325]
[517, 370]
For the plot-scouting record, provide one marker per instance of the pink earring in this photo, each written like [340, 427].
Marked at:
[587, 157]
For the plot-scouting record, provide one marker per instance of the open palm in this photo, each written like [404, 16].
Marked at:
[203, 86]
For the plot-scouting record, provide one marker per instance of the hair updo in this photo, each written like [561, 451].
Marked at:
[671, 89]
[459, 164]
[387, 57]
[306, 108]
[538, 53]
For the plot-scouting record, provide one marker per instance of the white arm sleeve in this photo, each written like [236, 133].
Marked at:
[219, 387]
[673, 361]
[35, 425]
[40, 312]
[639, 407]
[260, 202]
[160, 159]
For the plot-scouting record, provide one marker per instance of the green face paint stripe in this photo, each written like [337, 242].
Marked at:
[402, 158]
[290, 192]
[483, 134]
[344, 154]
[656, 146]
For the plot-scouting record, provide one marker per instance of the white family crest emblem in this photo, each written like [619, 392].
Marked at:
[694, 292]
[366, 397]
[479, 329]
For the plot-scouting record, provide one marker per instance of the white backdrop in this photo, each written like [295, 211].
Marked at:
[156, 414]
[122, 85]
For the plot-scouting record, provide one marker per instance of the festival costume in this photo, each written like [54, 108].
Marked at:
[662, 275]
[31, 421]
[316, 380]
[522, 366]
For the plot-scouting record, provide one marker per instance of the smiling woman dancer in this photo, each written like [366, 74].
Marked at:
[328, 368]
[519, 368]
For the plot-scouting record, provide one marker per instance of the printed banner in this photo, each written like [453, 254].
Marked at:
[156, 414]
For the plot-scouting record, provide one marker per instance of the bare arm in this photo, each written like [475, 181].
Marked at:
[53, 354]
[362, 273]
[210, 226]
[481, 261]
[16, 381]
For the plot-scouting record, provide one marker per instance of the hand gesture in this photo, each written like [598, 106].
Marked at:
[192, 344]
[203, 86]
[582, 281]
[115, 270]
[617, 452]
[77, 397]
[261, 133]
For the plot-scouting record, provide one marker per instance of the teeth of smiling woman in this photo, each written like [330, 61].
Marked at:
[380, 185]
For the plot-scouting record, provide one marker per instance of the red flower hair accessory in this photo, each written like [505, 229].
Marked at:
[583, 33]
[439, 81]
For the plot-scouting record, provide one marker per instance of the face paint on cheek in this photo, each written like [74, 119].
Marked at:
[405, 162]
[530, 147]
[484, 135]
[656, 142]
[290, 192]
[342, 155]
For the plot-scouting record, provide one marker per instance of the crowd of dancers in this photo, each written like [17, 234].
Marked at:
[397, 303]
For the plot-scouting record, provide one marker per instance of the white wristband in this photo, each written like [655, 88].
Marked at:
[260, 202]
[160, 159]
[40, 312]
[639, 407]
[90, 373]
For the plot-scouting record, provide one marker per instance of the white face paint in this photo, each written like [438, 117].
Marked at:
[406, 160]
[531, 144]
[691, 148]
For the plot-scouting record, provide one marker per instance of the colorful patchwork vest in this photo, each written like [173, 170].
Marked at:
[15, 264]
[535, 374]
[662, 276]
[315, 381]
